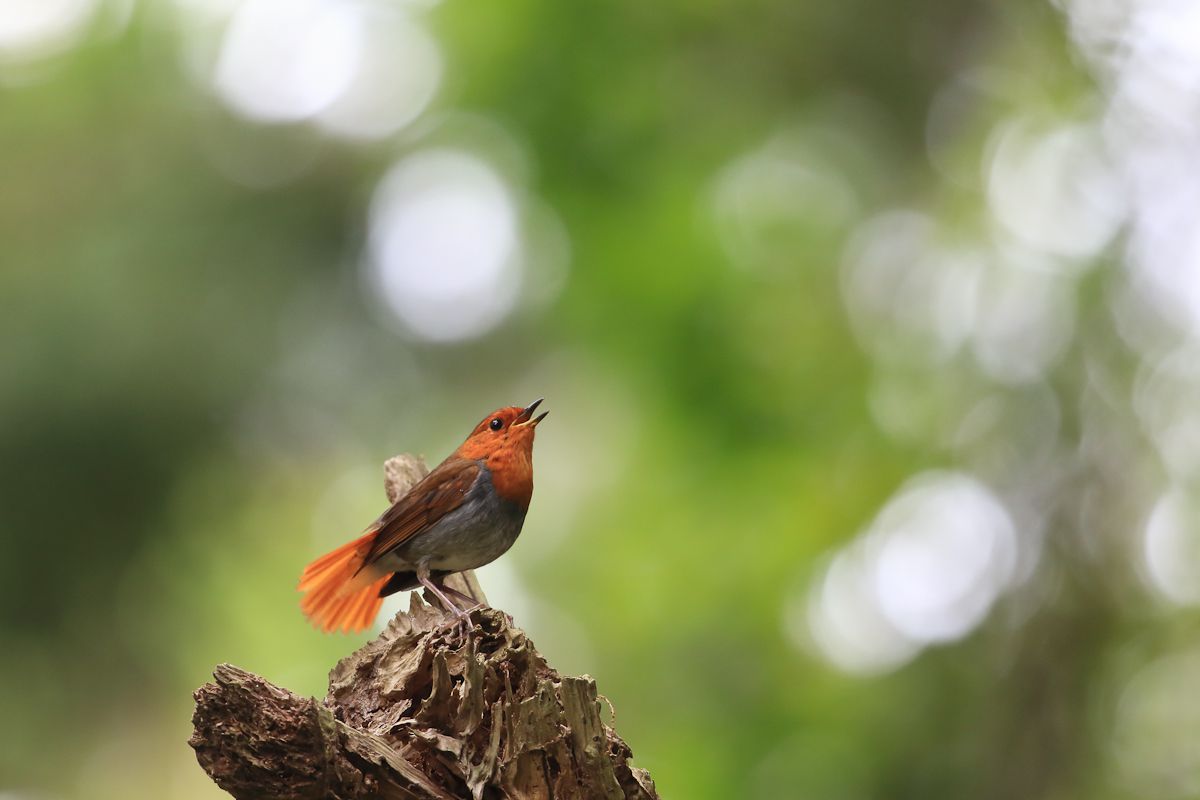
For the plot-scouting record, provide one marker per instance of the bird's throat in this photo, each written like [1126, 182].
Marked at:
[512, 475]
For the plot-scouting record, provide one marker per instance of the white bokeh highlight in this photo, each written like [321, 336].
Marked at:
[947, 549]
[927, 570]
[445, 245]
[1053, 188]
[1166, 399]
[910, 297]
[1171, 548]
[286, 60]
[399, 68]
[35, 29]
[1024, 320]
[1147, 56]
[842, 617]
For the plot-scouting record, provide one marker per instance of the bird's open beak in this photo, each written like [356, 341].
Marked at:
[526, 416]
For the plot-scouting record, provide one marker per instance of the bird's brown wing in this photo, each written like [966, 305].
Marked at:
[435, 496]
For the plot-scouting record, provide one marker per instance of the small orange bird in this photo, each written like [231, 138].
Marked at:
[465, 513]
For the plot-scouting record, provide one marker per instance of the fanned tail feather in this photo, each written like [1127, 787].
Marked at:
[338, 593]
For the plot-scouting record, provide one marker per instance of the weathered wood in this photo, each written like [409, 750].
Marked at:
[424, 711]
[259, 741]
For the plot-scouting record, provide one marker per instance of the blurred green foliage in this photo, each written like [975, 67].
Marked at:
[197, 386]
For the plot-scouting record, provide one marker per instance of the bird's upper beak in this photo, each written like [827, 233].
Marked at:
[526, 416]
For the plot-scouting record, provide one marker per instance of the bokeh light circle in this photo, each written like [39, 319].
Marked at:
[445, 245]
[286, 60]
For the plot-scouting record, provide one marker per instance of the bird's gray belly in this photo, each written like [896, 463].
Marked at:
[476, 533]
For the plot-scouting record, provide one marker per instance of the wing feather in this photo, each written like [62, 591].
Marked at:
[435, 496]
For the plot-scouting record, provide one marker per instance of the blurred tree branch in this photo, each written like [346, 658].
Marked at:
[421, 712]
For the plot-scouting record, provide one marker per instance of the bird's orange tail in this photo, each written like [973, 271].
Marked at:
[338, 593]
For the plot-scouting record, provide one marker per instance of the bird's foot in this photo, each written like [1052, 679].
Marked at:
[461, 627]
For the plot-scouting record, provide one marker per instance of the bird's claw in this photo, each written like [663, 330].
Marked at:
[460, 626]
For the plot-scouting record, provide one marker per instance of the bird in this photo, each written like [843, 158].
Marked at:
[465, 513]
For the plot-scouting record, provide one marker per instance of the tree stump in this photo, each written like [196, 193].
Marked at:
[423, 711]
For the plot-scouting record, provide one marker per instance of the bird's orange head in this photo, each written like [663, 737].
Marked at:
[503, 440]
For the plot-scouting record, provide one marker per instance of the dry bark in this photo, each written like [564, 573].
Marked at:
[423, 711]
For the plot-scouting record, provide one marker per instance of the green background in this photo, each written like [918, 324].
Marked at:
[198, 385]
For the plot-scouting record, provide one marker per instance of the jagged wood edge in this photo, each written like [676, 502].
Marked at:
[255, 739]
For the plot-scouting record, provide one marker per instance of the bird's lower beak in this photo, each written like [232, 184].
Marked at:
[526, 416]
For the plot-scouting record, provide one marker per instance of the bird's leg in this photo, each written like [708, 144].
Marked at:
[475, 604]
[462, 620]
[428, 583]
[471, 602]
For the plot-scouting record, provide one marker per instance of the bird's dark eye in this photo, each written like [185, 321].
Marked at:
[497, 424]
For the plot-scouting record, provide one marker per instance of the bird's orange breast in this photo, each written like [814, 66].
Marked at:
[512, 474]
